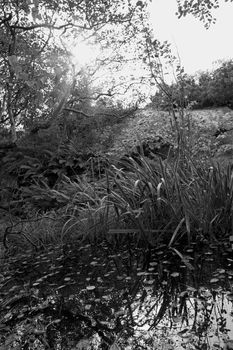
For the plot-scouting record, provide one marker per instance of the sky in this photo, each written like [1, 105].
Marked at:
[198, 47]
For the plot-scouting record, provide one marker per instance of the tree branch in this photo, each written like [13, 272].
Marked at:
[43, 25]
[78, 112]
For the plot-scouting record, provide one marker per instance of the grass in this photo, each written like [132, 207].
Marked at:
[159, 201]
[183, 199]
[40, 232]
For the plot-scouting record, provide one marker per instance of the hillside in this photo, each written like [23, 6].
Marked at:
[203, 125]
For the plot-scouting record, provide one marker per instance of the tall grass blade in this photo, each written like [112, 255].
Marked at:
[184, 259]
[176, 232]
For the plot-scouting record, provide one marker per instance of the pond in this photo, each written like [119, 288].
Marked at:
[118, 296]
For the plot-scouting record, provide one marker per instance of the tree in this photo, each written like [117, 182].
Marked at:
[37, 72]
[222, 84]
[199, 9]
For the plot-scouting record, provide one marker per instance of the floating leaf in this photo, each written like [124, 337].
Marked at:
[175, 274]
[150, 282]
[141, 273]
[189, 250]
[90, 287]
[214, 280]
[60, 287]
[209, 253]
[35, 284]
[57, 320]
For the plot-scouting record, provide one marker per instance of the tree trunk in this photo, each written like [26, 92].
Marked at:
[11, 115]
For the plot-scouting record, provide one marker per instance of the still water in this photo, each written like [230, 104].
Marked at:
[108, 296]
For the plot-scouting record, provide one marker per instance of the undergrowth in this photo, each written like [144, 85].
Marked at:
[159, 201]
[184, 198]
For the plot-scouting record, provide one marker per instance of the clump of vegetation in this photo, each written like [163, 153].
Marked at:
[162, 201]
[114, 216]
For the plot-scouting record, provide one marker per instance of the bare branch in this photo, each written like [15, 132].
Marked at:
[78, 112]
[42, 25]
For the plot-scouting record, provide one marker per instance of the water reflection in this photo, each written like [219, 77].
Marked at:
[191, 319]
[108, 297]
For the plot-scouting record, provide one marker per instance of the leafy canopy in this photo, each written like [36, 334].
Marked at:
[199, 9]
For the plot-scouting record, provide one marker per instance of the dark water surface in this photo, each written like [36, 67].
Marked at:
[108, 296]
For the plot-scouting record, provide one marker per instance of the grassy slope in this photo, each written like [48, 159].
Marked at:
[148, 122]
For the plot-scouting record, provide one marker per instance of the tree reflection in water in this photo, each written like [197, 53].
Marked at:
[104, 298]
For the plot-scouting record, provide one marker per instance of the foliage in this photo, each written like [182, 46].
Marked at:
[160, 201]
[205, 89]
[222, 83]
[88, 215]
[95, 251]
[154, 199]
[95, 132]
[38, 76]
[66, 181]
[200, 9]
[35, 233]
[28, 175]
